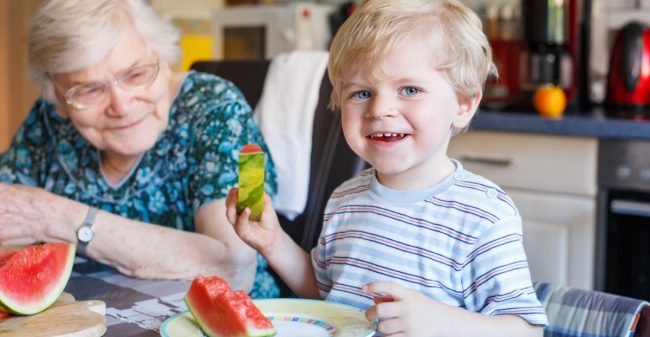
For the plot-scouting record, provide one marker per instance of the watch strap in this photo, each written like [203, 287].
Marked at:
[89, 221]
[90, 216]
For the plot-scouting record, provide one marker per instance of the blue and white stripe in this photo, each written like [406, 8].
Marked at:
[458, 242]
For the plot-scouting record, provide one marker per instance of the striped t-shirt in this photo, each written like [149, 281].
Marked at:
[459, 242]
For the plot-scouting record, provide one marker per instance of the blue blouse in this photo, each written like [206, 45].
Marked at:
[194, 162]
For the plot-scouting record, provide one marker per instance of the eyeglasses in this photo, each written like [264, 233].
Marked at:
[88, 95]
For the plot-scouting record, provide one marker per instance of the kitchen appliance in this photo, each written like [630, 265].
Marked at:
[535, 43]
[628, 81]
[503, 29]
[550, 27]
[263, 31]
[605, 21]
[623, 220]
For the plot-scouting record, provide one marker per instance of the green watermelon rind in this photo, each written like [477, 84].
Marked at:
[251, 184]
[15, 308]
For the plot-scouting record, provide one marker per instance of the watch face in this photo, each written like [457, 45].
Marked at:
[85, 234]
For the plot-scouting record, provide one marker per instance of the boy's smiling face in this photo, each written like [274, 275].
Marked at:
[398, 114]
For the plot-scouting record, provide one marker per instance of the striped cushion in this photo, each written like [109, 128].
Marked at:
[576, 312]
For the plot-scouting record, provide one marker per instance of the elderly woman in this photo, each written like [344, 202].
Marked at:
[125, 157]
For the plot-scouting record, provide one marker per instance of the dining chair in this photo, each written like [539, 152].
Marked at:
[332, 160]
[574, 312]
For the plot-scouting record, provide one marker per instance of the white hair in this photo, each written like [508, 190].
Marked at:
[70, 35]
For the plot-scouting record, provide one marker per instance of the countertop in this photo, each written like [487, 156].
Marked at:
[592, 124]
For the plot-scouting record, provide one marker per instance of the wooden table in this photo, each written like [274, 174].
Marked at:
[134, 307]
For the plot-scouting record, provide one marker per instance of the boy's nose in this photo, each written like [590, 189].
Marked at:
[381, 107]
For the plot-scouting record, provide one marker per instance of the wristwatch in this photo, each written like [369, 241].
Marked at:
[86, 232]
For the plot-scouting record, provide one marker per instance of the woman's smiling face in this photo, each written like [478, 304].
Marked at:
[127, 122]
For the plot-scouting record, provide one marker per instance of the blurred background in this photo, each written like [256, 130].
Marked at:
[567, 43]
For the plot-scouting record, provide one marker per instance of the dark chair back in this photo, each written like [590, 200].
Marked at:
[643, 327]
[332, 160]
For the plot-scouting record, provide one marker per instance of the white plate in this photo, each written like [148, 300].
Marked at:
[291, 318]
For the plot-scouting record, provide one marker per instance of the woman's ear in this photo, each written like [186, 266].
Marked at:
[61, 109]
[466, 109]
[53, 94]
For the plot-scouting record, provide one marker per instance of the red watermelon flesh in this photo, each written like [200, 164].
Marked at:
[250, 148]
[33, 277]
[7, 251]
[222, 312]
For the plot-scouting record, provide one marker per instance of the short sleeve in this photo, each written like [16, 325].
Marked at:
[318, 260]
[224, 126]
[496, 277]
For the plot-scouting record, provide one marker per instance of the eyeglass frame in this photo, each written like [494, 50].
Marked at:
[69, 94]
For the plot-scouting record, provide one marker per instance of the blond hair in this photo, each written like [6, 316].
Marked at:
[377, 26]
[70, 35]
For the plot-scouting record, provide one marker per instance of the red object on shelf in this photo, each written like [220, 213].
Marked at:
[629, 69]
[507, 57]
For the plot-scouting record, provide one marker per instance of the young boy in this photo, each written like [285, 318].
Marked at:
[428, 248]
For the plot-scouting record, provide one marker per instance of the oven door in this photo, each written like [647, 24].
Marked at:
[627, 244]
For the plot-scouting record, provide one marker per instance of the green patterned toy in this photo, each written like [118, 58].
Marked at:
[251, 180]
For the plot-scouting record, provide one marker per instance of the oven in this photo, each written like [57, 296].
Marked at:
[623, 224]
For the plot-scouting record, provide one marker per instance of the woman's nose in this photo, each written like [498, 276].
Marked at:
[120, 101]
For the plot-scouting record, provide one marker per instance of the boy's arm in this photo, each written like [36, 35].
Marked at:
[266, 236]
[294, 266]
[402, 310]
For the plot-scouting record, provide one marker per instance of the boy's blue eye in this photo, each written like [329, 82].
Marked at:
[410, 91]
[363, 94]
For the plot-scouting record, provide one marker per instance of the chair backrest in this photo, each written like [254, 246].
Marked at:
[332, 160]
[574, 312]
[643, 326]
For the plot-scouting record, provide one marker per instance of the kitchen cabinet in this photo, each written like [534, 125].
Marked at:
[552, 180]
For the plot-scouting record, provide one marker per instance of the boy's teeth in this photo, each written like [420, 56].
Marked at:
[387, 135]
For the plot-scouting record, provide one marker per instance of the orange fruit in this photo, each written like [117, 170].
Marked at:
[549, 101]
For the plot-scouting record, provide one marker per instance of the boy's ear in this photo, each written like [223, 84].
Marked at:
[466, 110]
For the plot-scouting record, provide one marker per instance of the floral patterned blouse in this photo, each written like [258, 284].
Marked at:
[195, 161]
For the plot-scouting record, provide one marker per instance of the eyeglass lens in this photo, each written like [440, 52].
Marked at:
[88, 94]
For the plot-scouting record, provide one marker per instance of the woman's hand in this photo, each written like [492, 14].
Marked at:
[30, 214]
[261, 235]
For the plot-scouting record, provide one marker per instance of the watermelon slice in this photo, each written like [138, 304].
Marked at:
[222, 312]
[6, 251]
[33, 277]
[251, 180]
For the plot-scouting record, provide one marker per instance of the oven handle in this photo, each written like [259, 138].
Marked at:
[629, 207]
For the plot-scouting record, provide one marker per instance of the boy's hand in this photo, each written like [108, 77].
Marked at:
[260, 235]
[405, 312]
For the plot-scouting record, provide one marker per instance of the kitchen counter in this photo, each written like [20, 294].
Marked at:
[592, 125]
